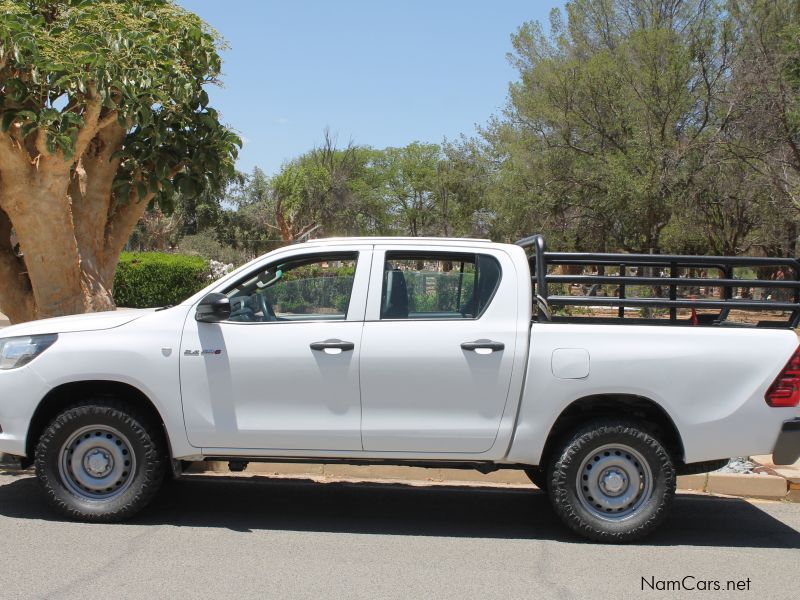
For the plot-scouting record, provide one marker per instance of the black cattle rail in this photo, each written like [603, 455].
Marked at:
[645, 264]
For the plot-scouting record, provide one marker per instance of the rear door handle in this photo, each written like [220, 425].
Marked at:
[332, 345]
[483, 345]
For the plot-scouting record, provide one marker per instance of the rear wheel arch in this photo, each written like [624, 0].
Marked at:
[639, 409]
[63, 396]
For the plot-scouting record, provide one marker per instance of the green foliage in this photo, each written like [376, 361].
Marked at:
[611, 116]
[443, 296]
[148, 279]
[144, 62]
[311, 287]
[337, 188]
[418, 189]
[638, 126]
[651, 126]
[205, 245]
[411, 180]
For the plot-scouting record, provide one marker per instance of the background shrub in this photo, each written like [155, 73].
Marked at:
[205, 244]
[148, 279]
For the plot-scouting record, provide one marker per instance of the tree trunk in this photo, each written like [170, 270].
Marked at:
[70, 227]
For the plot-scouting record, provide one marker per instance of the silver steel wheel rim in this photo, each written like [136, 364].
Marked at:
[97, 463]
[614, 481]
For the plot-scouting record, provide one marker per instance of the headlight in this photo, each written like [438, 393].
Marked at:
[18, 351]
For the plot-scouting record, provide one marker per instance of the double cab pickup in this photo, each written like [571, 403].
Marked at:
[603, 376]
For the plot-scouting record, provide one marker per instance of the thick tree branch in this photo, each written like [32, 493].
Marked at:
[14, 161]
[120, 225]
[91, 118]
[41, 141]
[91, 189]
[109, 119]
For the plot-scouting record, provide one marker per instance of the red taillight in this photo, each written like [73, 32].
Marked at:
[785, 390]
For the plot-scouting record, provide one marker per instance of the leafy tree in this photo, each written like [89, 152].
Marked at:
[763, 126]
[466, 173]
[205, 210]
[410, 175]
[102, 111]
[155, 231]
[610, 122]
[328, 190]
[242, 224]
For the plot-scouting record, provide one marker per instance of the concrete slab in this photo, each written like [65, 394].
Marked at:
[380, 472]
[697, 482]
[218, 466]
[791, 474]
[751, 486]
[731, 484]
[766, 460]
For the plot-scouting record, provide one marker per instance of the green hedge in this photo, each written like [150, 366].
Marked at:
[147, 279]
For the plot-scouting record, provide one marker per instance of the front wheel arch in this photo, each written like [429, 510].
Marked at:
[62, 396]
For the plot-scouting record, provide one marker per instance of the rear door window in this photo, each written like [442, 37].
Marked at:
[437, 285]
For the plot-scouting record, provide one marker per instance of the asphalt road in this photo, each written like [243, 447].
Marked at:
[228, 538]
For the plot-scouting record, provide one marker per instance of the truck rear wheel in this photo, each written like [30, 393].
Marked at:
[99, 461]
[612, 481]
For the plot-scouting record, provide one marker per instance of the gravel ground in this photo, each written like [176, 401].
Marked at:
[739, 464]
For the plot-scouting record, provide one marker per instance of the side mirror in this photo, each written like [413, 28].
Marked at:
[213, 308]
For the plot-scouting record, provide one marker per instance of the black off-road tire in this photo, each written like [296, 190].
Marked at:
[571, 461]
[144, 439]
[538, 477]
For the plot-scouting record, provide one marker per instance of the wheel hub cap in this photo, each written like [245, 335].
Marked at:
[614, 481]
[97, 463]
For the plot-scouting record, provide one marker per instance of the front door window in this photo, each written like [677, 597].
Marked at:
[307, 289]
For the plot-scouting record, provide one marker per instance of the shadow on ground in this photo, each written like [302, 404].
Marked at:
[260, 503]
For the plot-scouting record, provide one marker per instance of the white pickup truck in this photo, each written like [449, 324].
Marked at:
[426, 352]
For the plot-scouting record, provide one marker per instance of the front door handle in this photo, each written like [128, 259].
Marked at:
[483, 345]
[333, 345]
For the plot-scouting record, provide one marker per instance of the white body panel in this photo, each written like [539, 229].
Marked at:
[420, 391]
[407, 390]
[73, 323]
[142, 353]
[709, 380]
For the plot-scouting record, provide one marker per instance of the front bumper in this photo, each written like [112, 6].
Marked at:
[787, 446]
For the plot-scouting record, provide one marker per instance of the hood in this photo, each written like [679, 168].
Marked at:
[88, 322]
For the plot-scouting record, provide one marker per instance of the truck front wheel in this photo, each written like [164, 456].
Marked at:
[612, 481]
[100, 461]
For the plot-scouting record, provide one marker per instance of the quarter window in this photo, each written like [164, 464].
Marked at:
[437, 286]
[303, 289]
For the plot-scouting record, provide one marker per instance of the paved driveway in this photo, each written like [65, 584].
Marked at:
[220, 538]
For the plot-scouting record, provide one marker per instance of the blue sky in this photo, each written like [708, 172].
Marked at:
[377, 72]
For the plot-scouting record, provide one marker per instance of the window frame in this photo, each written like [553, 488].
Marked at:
[357, 304]
[441, 254]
